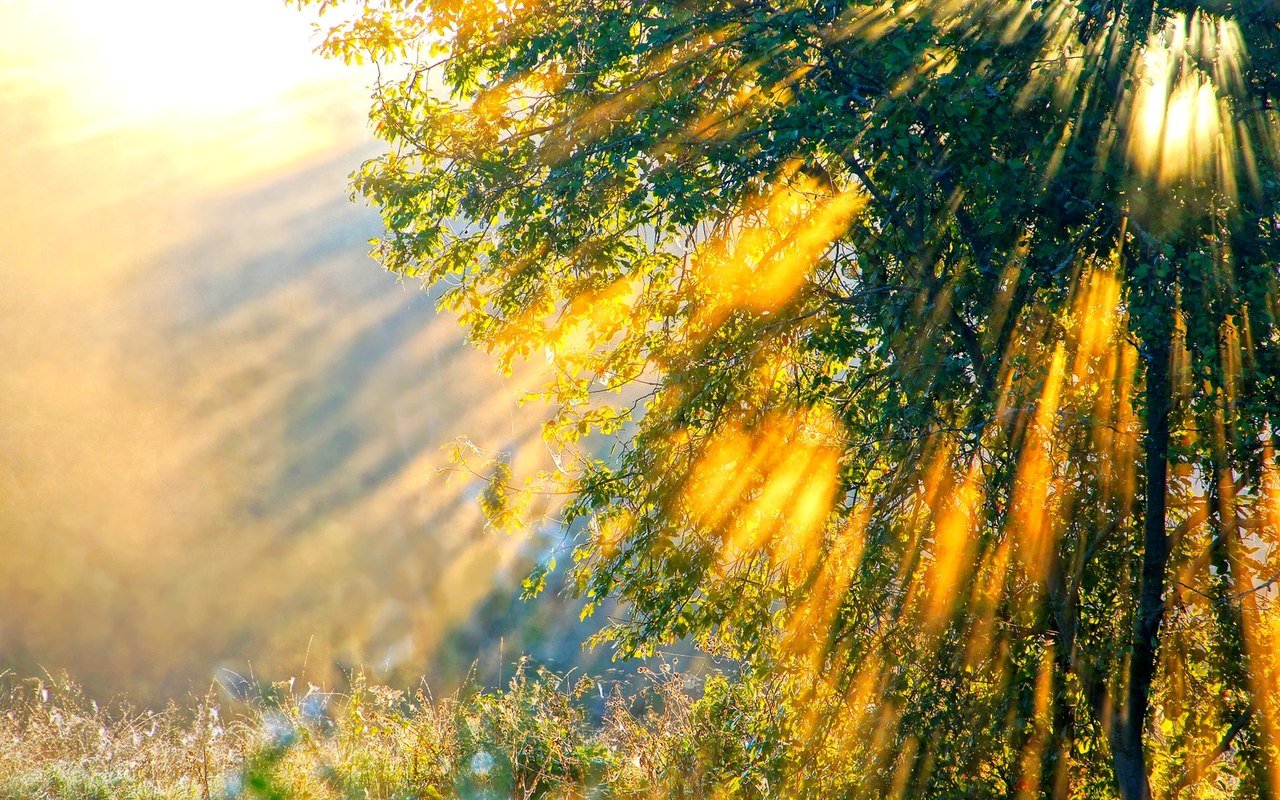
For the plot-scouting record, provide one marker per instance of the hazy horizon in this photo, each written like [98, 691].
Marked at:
[221, 422]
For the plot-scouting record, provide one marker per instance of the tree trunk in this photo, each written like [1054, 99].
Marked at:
[1129, 725]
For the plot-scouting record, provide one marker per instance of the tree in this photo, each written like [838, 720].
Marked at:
[937, 341]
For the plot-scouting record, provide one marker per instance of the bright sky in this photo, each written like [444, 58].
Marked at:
[220, 89]
[131, 59]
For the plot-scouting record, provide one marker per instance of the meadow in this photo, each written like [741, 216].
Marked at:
[540, 736]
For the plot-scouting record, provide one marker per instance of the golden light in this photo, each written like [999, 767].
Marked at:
[955, 538]
[770, 488]
[149, 59]
[762, 265]
[1179, 117]
[212, 94]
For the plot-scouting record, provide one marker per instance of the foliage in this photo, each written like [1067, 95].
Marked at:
[938, 342]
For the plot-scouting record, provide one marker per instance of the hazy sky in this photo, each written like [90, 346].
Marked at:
[220, 422]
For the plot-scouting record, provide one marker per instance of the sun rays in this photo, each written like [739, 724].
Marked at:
[1183, 120]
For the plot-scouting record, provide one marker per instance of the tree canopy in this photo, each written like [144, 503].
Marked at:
[935, 342]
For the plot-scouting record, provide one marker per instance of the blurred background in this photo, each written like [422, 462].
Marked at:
[221, 423]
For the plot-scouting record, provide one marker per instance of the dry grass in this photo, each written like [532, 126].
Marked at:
[56, 743]
[533, 739]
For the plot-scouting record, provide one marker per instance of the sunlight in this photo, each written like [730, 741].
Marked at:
[771, 487]
[1034, 496]
[955, 540]
[763, 264]
[808, 627]
[154, 58]
[138, 92]
[1180, 117]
